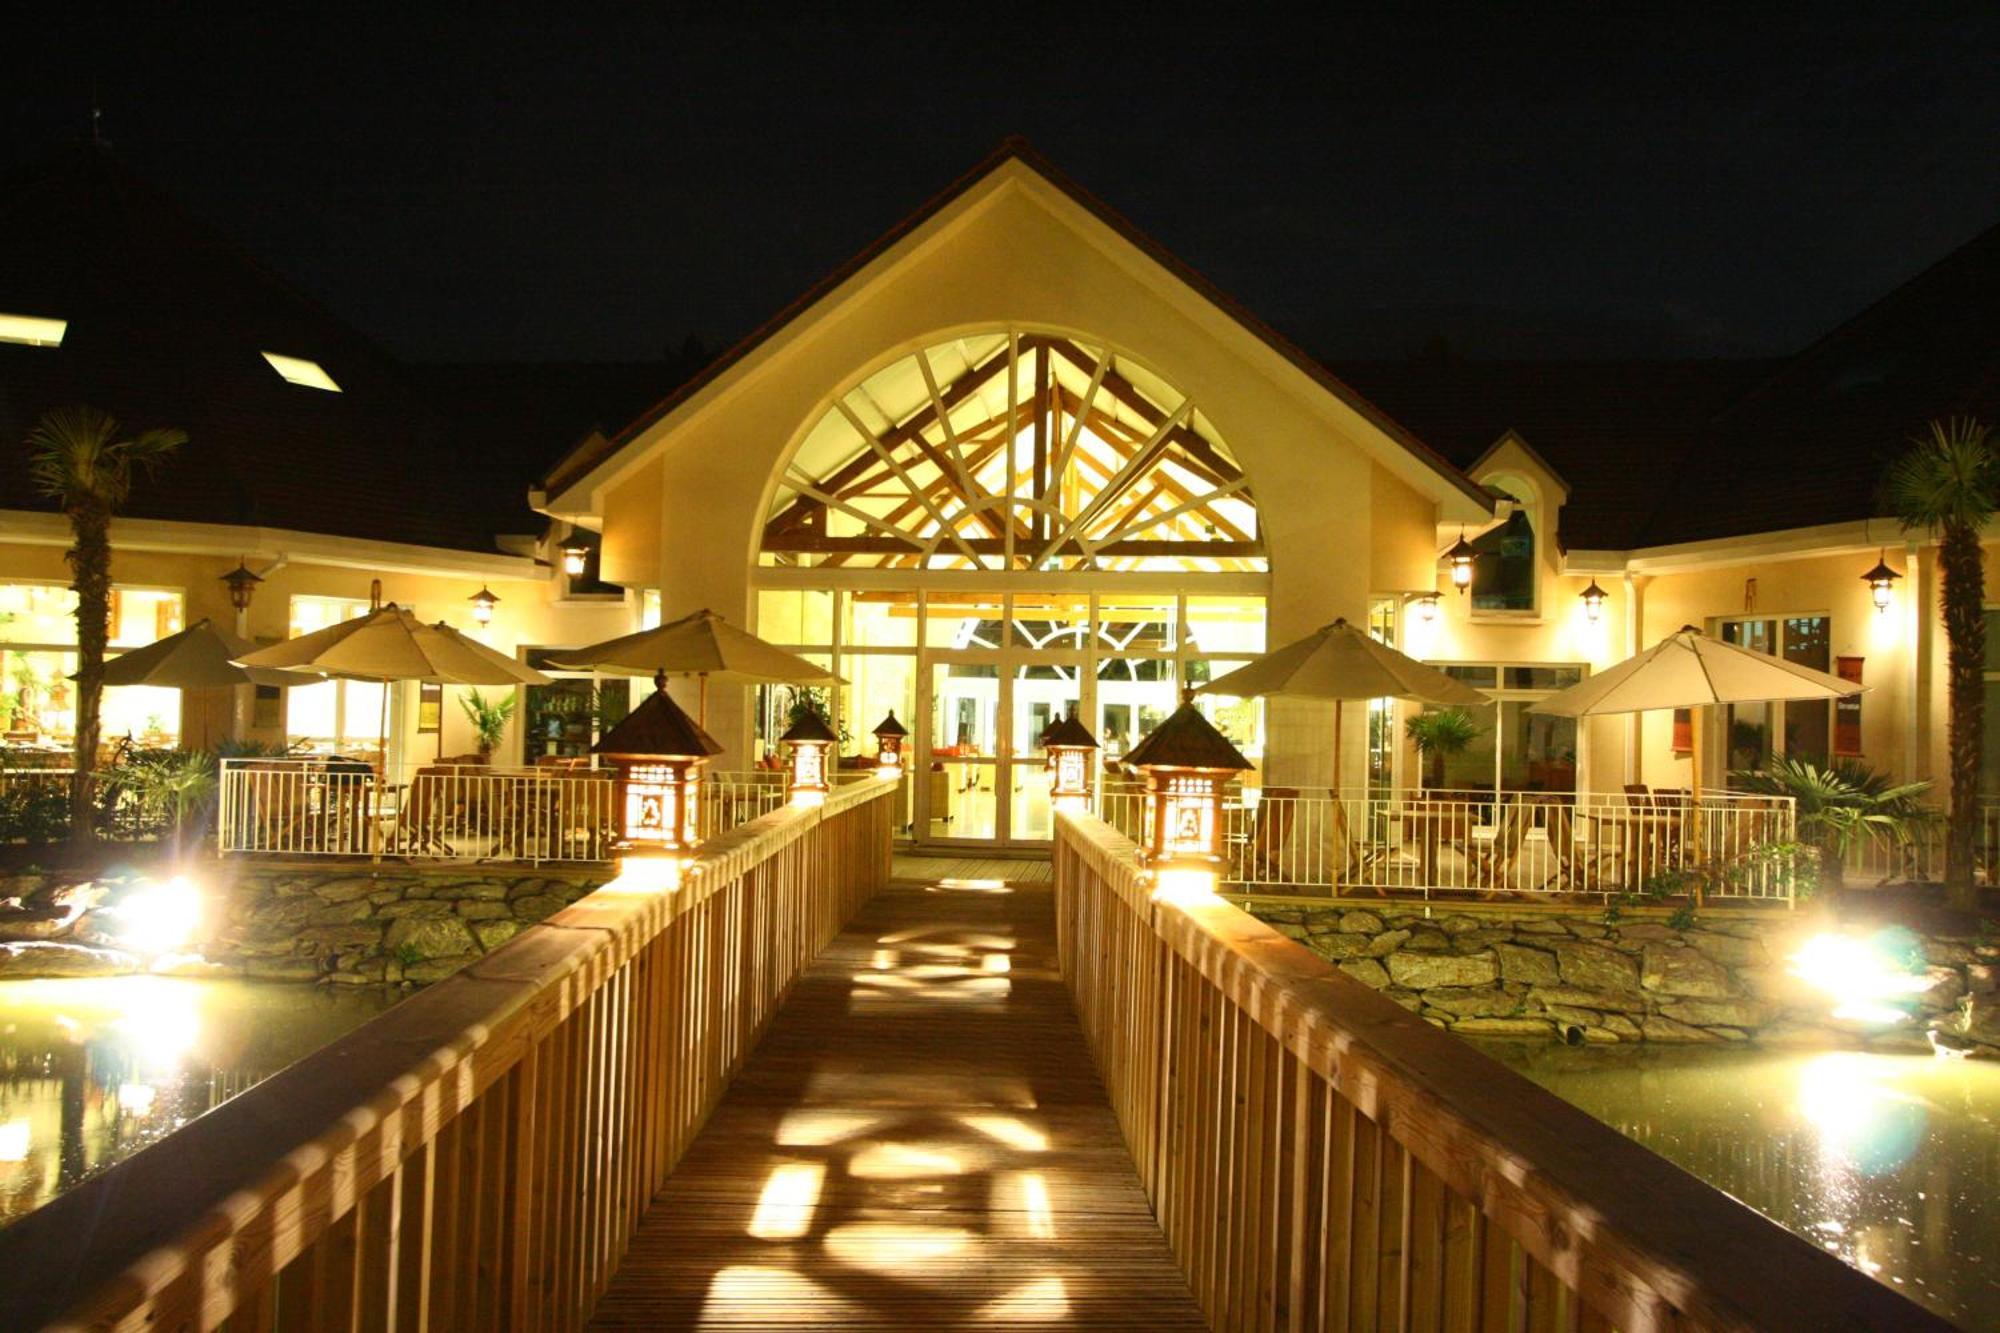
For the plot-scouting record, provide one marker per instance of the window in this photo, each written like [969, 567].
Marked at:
[31, 331]
[1503, 573]
[1382, 712]
[1799, 730]
[38, 656]
[298, 370]
[1989, 753]
[564, 718]
[1514, 749]
[334, 716]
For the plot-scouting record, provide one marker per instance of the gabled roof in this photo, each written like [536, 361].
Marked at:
[658, 726]
[594, 453]
[167, 324]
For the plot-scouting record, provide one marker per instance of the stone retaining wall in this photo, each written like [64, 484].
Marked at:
[345, 924]
[1633, 977]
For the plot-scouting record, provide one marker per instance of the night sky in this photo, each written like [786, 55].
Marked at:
[1579, 182]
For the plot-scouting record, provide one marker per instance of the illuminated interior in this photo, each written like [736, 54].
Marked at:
[31, 331]
[300, 371]
[38, 656]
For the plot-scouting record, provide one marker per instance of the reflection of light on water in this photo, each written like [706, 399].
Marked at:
[1861, 976]
[158, 1025]
[14, 1141]
[136, 1098]
[1863, 1120]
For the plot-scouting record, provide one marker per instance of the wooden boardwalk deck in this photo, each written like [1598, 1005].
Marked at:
[921, 1142]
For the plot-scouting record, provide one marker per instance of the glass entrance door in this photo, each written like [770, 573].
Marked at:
[982, 773]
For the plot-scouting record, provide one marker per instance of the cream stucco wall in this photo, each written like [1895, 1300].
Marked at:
[530, 613]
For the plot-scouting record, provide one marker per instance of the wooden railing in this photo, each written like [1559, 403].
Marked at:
[478, 1156]
[1320, 1158]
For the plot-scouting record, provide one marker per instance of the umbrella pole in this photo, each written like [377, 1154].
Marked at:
[1339, 809]
[703, 718]
[381, 781]
[1696, 716]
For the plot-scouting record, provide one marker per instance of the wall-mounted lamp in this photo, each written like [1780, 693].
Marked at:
[1593, 602]
[483, 603]
[1426, 605]
[574, 558]
[242, 586]
[1881, 582]
[1460, 558]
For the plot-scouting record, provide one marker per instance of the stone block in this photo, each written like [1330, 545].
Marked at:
[1458, 924]
[1648, 932]
[345, 889]
[340, 914]
[536, 906]
[1409, 999]
[282, 969]
[1588, 930]
[492, 934]
[350, 935]
[1595, 967]
[422, 939]
[1471, 1001]
[1367, 971]
[1504, 1027]
[1624, 1028]
[1541, 925]
[1422, 971]
[1365, 923]
[1659, 1028]
[472, 909]
[437, 969]
[1428, 939]
[421, 909]
[1731, 951]
[484, 890]
[1719, 1013]
[55, 958]
[1537, 967]
[1291, 930]
[1676, 969]
[1623, 1001]
[1337, 947]
[1387, 943]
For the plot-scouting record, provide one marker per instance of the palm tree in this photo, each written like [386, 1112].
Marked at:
[1948, 484]
[75, 457]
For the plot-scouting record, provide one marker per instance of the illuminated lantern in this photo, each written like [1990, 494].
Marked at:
[483, 603]
[808, 742]
[1460, 558]
[1188, 764]
[573, 560]
[242, 586]
[889, 737]
[658, 751]
[1427, 607]
[1881, 582]
[1070, 746]
[1593, 602]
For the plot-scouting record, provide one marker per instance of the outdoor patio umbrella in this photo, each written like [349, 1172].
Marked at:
[1341, 662]
[702, 645]
[390, 644]
[1688, 669]
[200, 657]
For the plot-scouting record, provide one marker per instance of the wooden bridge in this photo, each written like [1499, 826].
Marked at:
[789, 1090]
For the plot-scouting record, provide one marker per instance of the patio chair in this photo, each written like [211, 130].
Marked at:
[1495, 865]
[1270, 830]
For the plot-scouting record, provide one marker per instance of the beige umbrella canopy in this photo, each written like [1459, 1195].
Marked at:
[1688, 669]
[391, 644]
[702, 644]
[200, 657]
[1341, 662]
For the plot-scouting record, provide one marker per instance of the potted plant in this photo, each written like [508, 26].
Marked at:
[1439, 733]
[489, 720]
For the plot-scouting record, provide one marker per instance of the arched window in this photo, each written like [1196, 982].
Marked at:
[1014, 451]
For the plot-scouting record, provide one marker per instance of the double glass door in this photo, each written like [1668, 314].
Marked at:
[982, 773]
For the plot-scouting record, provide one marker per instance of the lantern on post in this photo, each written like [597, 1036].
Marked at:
[658, 751]
[1460, 558]
[1188, 764]
[483, 603]
[807, 742]
[889, 737]
[1070, 747]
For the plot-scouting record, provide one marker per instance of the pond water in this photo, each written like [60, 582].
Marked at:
[92, 1070]
[1891, 1162]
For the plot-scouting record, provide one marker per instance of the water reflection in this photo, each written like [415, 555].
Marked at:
[1889, 1161]
[93, 1070]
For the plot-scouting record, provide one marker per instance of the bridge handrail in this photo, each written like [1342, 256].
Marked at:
[479, 1155]
[1319, 1156]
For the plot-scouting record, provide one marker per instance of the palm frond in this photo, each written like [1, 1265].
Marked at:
[1949, 478]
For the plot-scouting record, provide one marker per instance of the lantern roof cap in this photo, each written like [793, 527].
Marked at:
[1462, 549]
[1881, 573]
[1187, 740]
[1066, 730]
[889, 726]
[810, 727]
[658, 726]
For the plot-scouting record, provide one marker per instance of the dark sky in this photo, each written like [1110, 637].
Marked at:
[1607, 180]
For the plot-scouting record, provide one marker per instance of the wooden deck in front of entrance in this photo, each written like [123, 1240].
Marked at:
[920, 1142]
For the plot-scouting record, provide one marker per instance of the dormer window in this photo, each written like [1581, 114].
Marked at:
[1503, 575]
[298, 370]
[31, 331]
